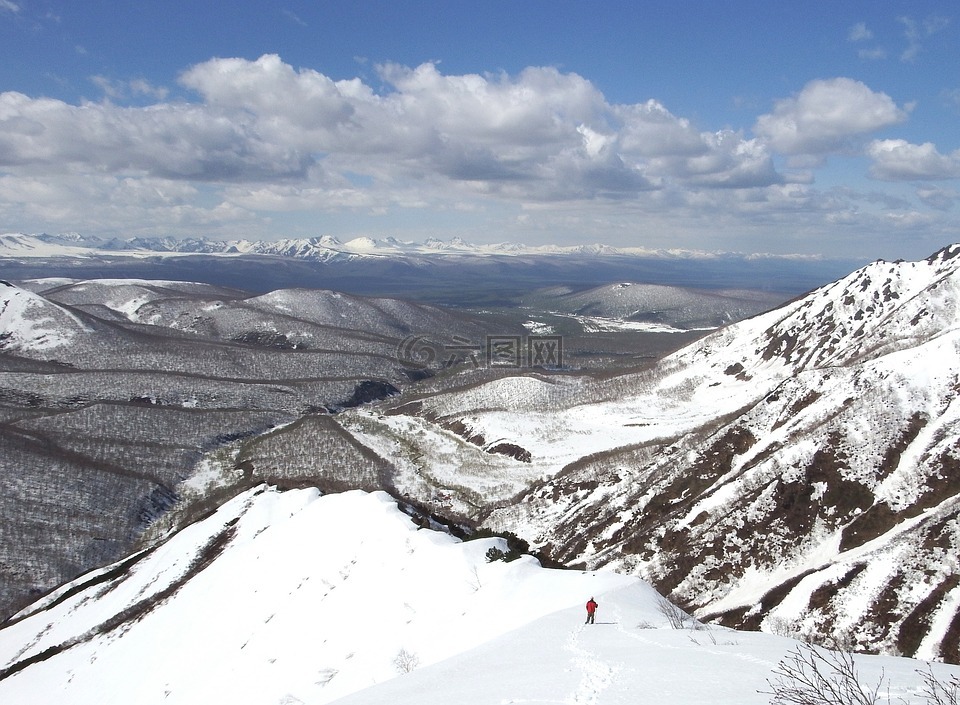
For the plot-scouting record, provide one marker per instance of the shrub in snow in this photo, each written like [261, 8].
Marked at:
[516, 546]
[494, 554]
[814, 676]
[811, 676]
[676, 617]
[938, 692]
[406, 661]
[780, 626]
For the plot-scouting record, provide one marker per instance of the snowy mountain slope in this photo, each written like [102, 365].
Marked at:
[831, 502]
[380, 316]
[678, 307]
[878, 309]
[288, 317]
[121, 296]
[627, 657]
[832, 515]
[22, 245]
[337, 335]
[800, 465]
[30, 324]
[288, 600]
[113, 393]
[269, 600]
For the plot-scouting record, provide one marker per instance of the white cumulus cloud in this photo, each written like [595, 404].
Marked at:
[540, 134]
[895, 160]
[825, 115]
[260, 141]
[176, 141]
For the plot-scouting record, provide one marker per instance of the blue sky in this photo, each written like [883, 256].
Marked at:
[741, 126]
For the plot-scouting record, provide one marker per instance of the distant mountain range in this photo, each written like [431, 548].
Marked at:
[449, 273]
[320, 249]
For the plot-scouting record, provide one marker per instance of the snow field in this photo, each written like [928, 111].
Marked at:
[316, 599]
[313, 597]
[628, 657]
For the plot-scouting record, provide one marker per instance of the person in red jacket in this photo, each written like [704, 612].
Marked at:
[591, 610]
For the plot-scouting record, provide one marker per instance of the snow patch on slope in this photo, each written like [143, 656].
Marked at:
[30, 323]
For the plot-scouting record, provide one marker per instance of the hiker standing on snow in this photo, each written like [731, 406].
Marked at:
[591, 610]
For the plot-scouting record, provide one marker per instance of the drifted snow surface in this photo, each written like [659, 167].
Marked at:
[341, 598]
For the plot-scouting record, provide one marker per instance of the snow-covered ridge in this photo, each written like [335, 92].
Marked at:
[278, 600]
[880, 308]
[295, 597]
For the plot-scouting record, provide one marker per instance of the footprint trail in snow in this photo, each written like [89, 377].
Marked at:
[596, 674]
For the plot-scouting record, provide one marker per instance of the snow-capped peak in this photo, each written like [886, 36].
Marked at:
[879, 308]
[361, 244]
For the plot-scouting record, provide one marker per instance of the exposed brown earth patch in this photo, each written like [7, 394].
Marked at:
[799, 405]
[916, 624]
[821, 598]
[876, 521]
[940, 486]
[885, 611]
[712, 464]
[511, 450]
[458, 427]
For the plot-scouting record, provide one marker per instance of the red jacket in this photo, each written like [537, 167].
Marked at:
[591, 607]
